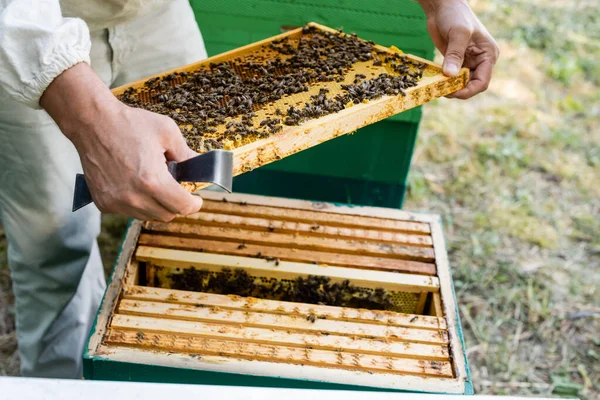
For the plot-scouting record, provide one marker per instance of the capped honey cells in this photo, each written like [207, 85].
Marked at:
[218, 106]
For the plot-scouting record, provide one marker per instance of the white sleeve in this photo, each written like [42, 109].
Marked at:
[36, 45]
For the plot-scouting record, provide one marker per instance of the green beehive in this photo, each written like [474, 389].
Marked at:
[148, 329]
[227, 296]
[367, 168]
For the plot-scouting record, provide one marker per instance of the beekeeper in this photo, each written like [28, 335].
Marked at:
[57, 115]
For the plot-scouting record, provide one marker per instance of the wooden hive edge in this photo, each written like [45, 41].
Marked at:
[280, 337]
[121, 270]
[319, 206]
[280, 354]
[239, 303]
[277, 254]
[292, 323]
[241, 228]
[308, 216]
[286, 237]
[289, 371]
[448, 300]
[393, 281]
[270, 225]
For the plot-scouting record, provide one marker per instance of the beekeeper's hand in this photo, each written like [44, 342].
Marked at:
[463, 40]
[123, 150]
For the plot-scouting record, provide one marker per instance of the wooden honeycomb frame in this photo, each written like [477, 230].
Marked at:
[232, 334]
[293, 139]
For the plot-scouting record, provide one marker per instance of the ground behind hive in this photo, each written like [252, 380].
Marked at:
[511, 172]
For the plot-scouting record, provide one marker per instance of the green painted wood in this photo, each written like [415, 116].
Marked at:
[104, 369]
[369, 168]
[88, 361]
[345, 173]
[469, 389]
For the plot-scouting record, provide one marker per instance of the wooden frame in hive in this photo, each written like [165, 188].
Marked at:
[419, 349]
[251, 154]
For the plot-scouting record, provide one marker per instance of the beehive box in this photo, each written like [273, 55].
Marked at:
[263, 291]
[302, 87]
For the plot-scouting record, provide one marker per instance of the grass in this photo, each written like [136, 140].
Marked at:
[514, 172]
[515, 186]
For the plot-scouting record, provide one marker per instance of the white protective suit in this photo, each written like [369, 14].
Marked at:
[53, 255]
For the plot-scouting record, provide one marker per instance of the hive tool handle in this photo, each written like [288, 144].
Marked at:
[215, 166]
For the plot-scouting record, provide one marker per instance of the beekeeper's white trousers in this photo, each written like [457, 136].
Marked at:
[55, 265]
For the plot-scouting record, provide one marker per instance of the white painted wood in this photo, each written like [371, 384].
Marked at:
[55, 389]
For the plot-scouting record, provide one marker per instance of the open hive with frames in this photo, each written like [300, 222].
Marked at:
[274, 289]
[273, 98]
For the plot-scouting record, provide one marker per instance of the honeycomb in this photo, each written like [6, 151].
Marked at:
[260, 91]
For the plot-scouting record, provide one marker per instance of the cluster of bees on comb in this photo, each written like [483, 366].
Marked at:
[215, 106]
[310, 289]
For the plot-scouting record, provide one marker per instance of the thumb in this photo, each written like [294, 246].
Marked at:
[174, 197]
[178, 149]
[458, 40]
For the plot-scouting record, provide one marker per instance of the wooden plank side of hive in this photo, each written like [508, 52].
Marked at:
[215, 315]
[323, 207]
[303, 310]
[219, 364]
[123, 271]
[410, 228]
[448, 300]
[281, 354]
[277, 254]
[300, 241]
[281, 337]
[262, 224]
[392, 281]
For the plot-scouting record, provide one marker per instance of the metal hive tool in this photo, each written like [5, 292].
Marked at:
[213, 167]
